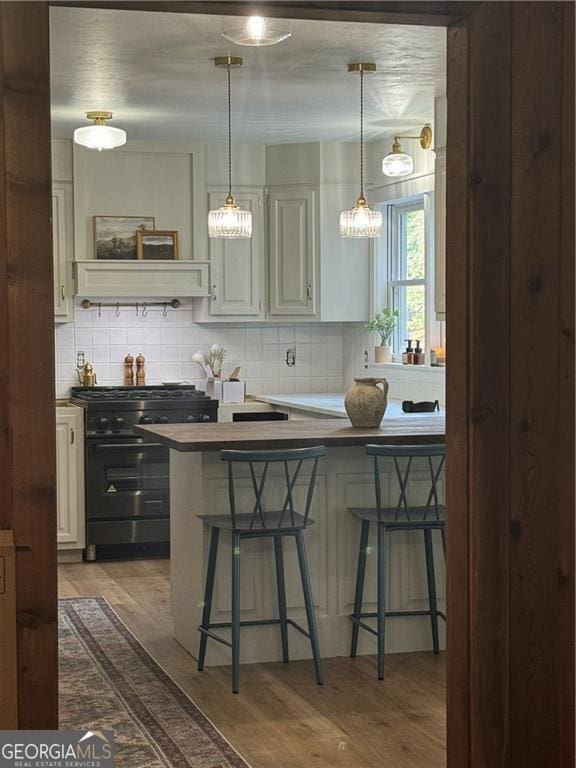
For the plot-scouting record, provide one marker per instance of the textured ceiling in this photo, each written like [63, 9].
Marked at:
[155, 72]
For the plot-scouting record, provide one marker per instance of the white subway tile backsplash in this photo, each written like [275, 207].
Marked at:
[286, 335]
[302, 334]
[117, 353]
[168, 343]
[270, 352]
[153, 335]
[65, 353]
[101, 354]
[83, 336]
[65, 334]
[328, 356]
[135, 337]
[169, 335]
[168, 354]
[253, 351]
[270, 335]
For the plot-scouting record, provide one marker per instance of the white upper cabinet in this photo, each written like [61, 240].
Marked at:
[440, 208]
[62, 230]
[313, 272]
[293, 237]
[237, 270]
[62, 244]
[237, 267]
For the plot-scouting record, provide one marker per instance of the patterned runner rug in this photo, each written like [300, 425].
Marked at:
[108, 681]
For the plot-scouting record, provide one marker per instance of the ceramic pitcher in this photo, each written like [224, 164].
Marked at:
[366, 401]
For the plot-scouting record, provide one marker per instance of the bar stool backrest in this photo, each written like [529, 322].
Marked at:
[258, 462]
[402, 457]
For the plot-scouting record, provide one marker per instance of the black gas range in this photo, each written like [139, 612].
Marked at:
[127, 477]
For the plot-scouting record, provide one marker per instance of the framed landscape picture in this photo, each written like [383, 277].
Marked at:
[115, 236]
[157, 244]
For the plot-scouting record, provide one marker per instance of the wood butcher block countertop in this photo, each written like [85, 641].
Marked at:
[427, 428]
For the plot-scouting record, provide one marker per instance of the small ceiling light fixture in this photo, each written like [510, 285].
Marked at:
[362, 220]
[229, 221]
[399, 163]
[99, 136]
[256, 30]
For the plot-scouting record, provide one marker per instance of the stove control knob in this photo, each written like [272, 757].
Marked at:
[162, 420]
[101, 422]
[118, 422]
[204, 417]
[190, 419]
[145, 420]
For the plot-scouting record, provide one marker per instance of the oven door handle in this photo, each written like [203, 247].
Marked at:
[101, 447]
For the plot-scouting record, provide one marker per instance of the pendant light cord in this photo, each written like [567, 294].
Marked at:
[362, 134]
[229, 133]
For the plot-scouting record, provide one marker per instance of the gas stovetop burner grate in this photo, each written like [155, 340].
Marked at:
[119, 394]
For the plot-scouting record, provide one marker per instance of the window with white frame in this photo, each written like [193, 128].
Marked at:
[409, 271]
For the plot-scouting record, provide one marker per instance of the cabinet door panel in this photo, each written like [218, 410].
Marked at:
[69, 479]
[293, 238]
[237, 266]
[62, 212]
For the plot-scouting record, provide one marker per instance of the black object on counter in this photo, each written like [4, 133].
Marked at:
[426, 406]
[259, 416]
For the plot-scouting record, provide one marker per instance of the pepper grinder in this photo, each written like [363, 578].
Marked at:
[128, 371]
[140, 373]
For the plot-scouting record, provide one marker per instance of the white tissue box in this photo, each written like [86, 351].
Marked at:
[226, 391]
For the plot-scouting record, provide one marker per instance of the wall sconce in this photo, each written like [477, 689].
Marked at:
[399, 163]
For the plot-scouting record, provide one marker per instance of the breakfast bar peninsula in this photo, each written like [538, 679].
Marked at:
[345, 478]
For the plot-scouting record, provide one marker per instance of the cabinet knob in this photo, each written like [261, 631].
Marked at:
[309, 292]
[62, 294]
[72, 436]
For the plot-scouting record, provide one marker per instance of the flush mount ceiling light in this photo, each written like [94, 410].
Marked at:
[256, 30]
[399, 163]
[362, 220]
[99, 135]
[229, 221]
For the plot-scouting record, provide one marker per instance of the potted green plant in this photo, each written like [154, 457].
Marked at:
[383, 324]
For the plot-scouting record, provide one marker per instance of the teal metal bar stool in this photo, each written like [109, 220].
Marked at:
[427, 517]
[259, 523]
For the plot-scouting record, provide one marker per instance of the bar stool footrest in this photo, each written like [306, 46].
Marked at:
[247, 623]
[393, 614]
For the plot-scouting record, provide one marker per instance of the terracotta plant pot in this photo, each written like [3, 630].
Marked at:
[383, 354]
[366, 403]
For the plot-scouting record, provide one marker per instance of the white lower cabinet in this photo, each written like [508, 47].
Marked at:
[70, 478]
[293, 237]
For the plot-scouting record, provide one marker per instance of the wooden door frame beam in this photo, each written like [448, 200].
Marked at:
[439, 13]
[27, 404]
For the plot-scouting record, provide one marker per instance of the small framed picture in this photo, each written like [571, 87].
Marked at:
[115, 236]
[157, 244]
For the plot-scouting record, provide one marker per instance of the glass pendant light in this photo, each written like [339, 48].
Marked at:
[229, 221]
[99, 136]
[362, 220]
[256, 30]
[399, 163]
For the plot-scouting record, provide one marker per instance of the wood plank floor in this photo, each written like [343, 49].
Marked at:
[281, 718]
